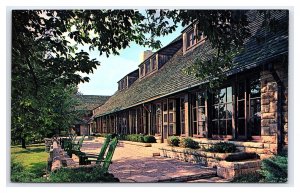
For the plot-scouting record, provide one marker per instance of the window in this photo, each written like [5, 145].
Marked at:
[190, 39]
[199, 114]
[133, 121]
[147, 66]
[141, 70]
[193, 37]
[241, 106]
[254, 107]
[248, 108]
[162, 59]
[153, 63]
[158, 118]
[222, 112]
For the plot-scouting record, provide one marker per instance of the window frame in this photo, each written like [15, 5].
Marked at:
[195, 107]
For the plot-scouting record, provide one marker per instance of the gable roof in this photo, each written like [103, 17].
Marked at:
[90, 102]
[171, 79]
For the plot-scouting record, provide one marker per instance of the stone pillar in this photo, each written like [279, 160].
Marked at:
[269, 125]
[274, 113]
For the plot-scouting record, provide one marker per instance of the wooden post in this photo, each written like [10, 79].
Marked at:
[149, 119]
[186, 115]
[136, 121]
[168, 122]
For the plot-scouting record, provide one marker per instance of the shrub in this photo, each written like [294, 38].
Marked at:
[173, 141]
[81, 175]
[149, 139]
[135, 138]
[223, 147]
[241, 156]
[18, 173]
[189, 143]
[274, 169]
[254, 177]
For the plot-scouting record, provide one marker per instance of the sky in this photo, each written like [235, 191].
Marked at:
[104, 79]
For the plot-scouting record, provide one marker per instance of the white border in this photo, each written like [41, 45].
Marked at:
[219, 4]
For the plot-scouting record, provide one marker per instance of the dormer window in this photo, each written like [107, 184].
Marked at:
[192, 37]
[147, 66]
[191, 40]
[142, 71]
[153, 62]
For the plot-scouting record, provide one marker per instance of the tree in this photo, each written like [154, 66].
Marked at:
[46, 60]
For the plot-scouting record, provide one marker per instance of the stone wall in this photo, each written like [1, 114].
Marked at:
[58, 158]
[230, 170]
[225, 169]
[274, 113]
[264, 148]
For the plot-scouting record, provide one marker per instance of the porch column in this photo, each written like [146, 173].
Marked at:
[186, 115]
[149, 119]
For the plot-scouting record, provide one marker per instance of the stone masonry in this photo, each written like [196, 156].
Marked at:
[269, 110]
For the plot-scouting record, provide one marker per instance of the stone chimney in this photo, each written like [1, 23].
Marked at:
[145, 54]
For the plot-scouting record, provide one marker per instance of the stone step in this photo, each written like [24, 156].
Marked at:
[201, 176]
[210, 180]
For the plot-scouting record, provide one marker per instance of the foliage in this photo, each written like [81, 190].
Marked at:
[149, 139]
[241, 156]
[173, 141]
[138, 138]
[81, 175]
[254, 177]
[46, 60]
[223, 147]
[275, 169]
[135, 137]
[189, 143]
[19, 174]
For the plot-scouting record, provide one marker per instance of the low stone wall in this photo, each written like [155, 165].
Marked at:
[58, 158]
[230, 170]
[225, 169]
[265, 148]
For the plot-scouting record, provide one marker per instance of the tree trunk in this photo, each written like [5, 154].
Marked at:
[23, 143]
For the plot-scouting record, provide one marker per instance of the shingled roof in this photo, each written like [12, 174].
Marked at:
[171, 79]
[90, 102]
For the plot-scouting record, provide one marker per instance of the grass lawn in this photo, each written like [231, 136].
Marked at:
[33, 158]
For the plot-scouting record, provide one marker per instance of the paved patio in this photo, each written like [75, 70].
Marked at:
[132, 163]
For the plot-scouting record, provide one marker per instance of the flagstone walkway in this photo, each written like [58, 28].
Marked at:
[132, 163]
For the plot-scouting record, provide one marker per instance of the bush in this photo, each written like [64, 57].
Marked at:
[254, 177]
[223, 147]
[242, 156]
[189, 143]
[173, 141]
[81, 175]
[135, 138]
[18, 173]
[149, 139]
[275, 169]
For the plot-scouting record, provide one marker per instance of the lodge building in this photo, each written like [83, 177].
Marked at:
[160, 99]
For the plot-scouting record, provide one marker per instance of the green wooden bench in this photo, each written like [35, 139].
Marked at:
[65, 142]
[109, 147]
[74, 148]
